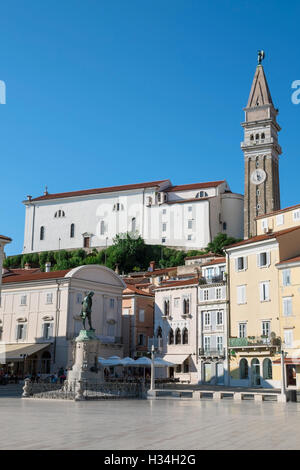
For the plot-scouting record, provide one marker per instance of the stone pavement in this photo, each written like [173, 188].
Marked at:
[152, 424]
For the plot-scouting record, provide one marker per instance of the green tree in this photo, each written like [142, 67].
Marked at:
[219, 242]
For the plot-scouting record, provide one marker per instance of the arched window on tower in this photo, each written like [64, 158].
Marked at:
[171, 336]
[166, 307]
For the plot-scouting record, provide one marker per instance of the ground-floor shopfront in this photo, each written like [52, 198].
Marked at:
[255, 369]
[26, 359]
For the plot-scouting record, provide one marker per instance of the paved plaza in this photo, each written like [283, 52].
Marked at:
[154, 424]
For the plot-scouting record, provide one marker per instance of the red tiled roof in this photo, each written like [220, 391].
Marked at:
[87, 192]
[132, 289]
[279, 211]
[214, 261]
[296, 259]
[186, 187]
[20, 271]
[156, 272]
[3, 237]
[206, 255]
[186, 282]
[265, 236]
[35, 276]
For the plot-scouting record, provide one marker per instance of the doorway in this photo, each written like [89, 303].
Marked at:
[220, 373]
[291, 374]
[255, 372]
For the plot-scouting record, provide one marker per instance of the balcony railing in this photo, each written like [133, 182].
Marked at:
[254, 341]
[207, 352]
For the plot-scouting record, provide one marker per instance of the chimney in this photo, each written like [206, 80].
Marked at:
[27, 266]
[47, 267]
[46, 191]
[29, 197]
[152, 266]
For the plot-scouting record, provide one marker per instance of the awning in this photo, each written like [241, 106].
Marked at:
[288, 360]
[15, 352]
[176, 358]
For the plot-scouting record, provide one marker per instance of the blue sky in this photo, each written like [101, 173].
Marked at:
[101, 93]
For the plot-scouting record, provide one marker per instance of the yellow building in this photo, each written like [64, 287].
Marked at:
[255, 328]
[278, 220]
[289, 317]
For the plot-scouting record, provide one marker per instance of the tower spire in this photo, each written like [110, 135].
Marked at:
[261, 152]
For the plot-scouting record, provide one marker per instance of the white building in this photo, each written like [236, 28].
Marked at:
[3, 241]
[39, 316]
[187, 216]
[212, 324]
[175, 327]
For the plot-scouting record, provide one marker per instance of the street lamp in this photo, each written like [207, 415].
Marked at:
[152, 385]
[282, 356]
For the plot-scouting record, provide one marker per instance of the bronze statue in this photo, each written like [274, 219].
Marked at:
[260, 56]
[86, 309]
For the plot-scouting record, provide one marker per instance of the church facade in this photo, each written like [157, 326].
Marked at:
[183, 216]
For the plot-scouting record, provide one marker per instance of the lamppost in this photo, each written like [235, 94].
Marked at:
[152, 385]
[282, 356]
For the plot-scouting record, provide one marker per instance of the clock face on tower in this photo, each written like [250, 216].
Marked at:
[258, 176]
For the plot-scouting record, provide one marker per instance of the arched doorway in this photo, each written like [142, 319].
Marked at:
[220, 373]
[255, 372]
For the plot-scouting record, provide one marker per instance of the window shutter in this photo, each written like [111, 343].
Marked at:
[267, 290]
[261, 291]
[51, 330]
[258, 260]
[239, 295]
[237, 264]
[268, 258]
[246, 262]
[43, 330]
[16, 332]
[24, 332]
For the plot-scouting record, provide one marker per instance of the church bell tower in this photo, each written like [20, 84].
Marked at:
[261, 152]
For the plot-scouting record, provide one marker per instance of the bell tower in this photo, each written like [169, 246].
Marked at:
[261, 152]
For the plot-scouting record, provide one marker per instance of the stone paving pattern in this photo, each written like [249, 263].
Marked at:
[152, 424]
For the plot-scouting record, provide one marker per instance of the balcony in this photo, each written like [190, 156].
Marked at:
[204, 352]
[254, 342]
[213, 279]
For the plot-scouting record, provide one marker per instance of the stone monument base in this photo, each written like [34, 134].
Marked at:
[85, 369]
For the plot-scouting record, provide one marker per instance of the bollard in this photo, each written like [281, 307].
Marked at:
[27, 389]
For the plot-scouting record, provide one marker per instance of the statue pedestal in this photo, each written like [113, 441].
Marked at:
[86, 368]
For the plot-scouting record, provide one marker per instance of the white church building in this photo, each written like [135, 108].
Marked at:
[186, 216]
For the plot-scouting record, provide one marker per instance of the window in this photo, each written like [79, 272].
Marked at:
[244, 370]
[186, 306]
[288, 338]
[267, 369]
[141, 315]
[190, 224]
[21, 332]
[220, 343]
[218, 293]
[207, 318]
[78, 298]
[263, 259]
[178, 336]
[251, 137]
[46, 363]
[59, 214]
[242, 330]
[171, 336]
[72, 230]
[111, 328]
[220, 317]
[264, 224]
[133, 224]
[201, 194]
[287, 306]
[206, 343]
[164, 211]
[189, 237]
[141, 340]
[241, 294]
[224, 226]
[166, 307]
[47, 330]
[210, 273]
[42, 233]
[205, 294]
[176, 302]
[163, 240]
[185, 336]
[190, 208]
[264, 288]
[23, 299]
[164, 227]
[262, 136]
[112, 303]
[286, 277]
[49, 298]
[296, 215]
[266, 327]
[102, 227]
[279, 219]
